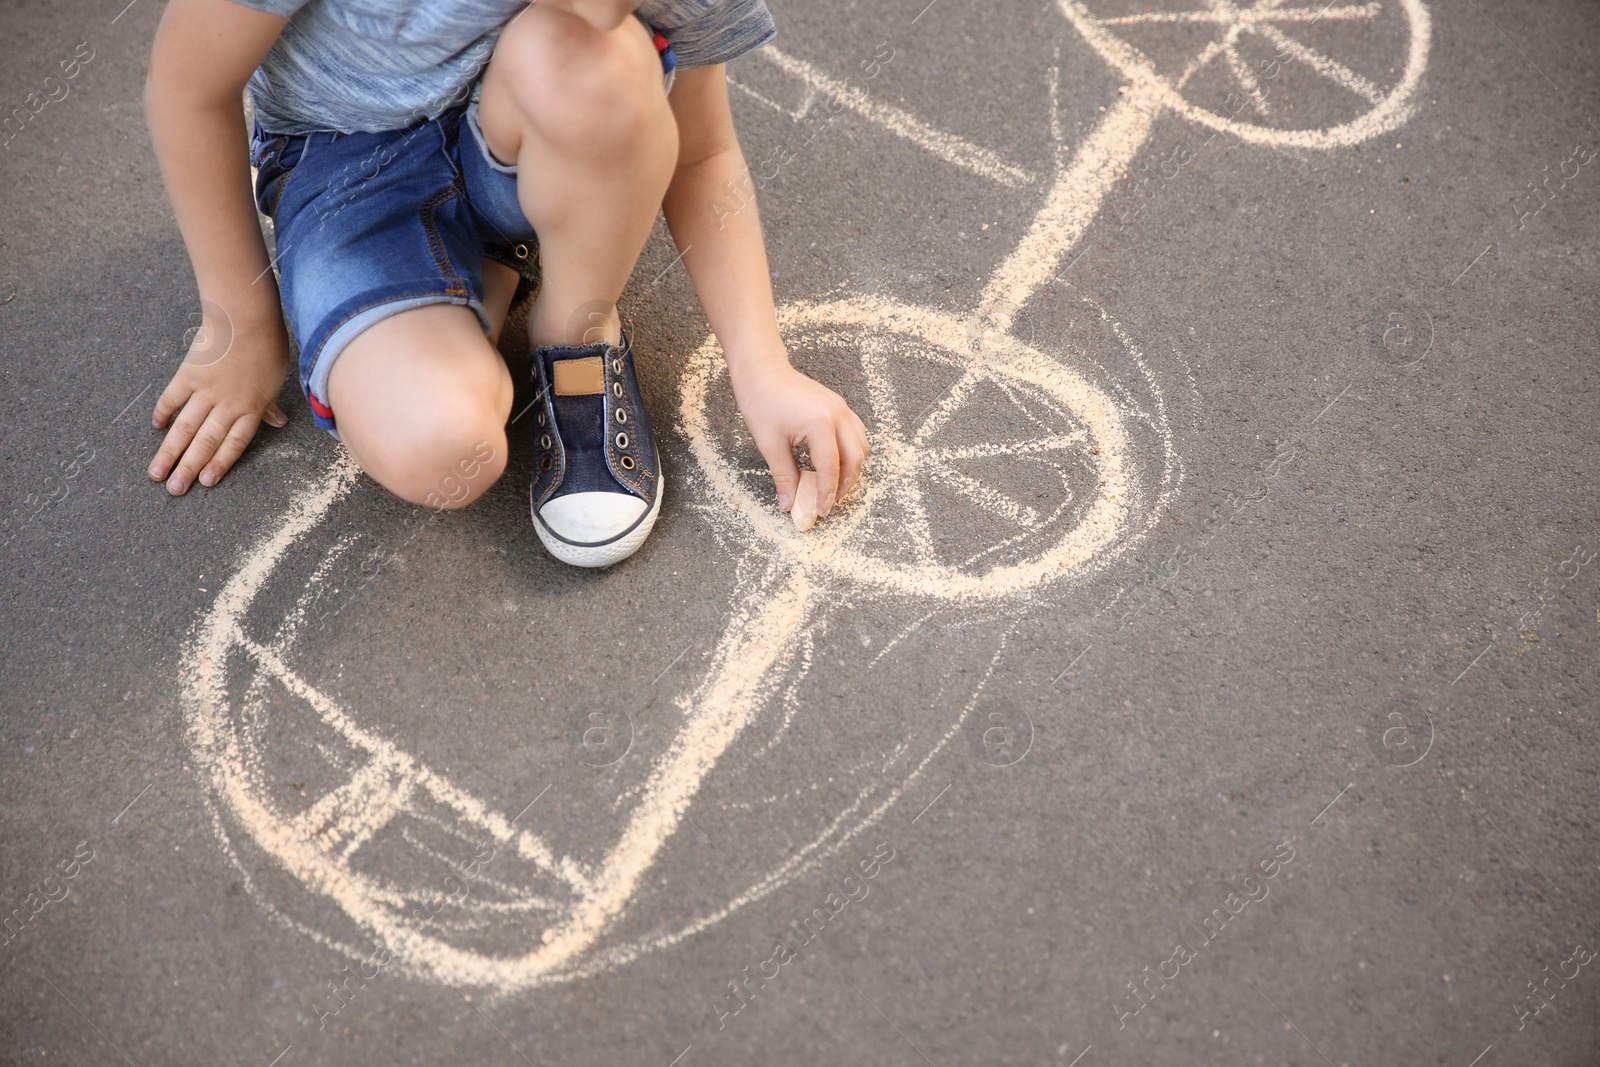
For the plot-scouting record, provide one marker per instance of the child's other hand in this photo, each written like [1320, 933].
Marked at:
[781, 408]
[221, 394]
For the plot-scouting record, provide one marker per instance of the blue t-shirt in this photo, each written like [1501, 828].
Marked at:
[372, 65]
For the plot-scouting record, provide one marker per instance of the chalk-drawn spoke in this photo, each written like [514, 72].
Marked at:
[1224, 15]
[518, 899]
[946, 408]
[1022, 405]
[881, 393]
[1247, 78]
[1147, 17]
[1207, 54]
[917, 528]
[344, 819]
[1010, 542]
[1331, 69]
[1054, 443]
[990, 500]
[1346, 12]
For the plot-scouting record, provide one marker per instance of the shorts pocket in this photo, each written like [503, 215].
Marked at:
[278, 159]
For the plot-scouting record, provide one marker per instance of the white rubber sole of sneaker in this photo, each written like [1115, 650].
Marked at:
[607, 554]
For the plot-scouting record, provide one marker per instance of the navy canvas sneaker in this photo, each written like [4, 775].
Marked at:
[596, 475]
[522, 257]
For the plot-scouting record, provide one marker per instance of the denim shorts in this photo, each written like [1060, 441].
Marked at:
[372, 224]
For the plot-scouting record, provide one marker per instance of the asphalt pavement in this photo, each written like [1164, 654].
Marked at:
[1206, 672]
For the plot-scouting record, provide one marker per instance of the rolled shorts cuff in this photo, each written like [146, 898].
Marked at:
[471, 118]
[314, 383]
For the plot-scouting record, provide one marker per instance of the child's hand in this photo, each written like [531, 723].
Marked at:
[781, 408]
[223, 391]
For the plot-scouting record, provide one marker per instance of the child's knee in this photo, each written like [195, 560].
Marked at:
[444, 455]
[588, 89]
[451, 471]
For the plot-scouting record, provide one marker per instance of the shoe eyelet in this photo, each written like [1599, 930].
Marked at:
[546, 462]
[616, 390]
[539, 418]
[622, 414]
[544, 440]
[521, 251]
[616, 366]
[621, 439]
[626, 463]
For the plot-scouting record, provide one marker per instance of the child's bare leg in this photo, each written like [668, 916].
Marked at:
[421, 400]
[499, 290]
[582, 113]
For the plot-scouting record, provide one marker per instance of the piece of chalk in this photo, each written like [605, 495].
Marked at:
[804, 509]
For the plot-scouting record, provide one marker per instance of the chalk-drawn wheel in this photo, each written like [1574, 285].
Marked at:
[1017, 474]
[1288, 72]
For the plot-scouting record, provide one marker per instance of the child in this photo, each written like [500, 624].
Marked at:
[398, 142]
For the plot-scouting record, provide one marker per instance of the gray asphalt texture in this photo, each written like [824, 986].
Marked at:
[1385, 657]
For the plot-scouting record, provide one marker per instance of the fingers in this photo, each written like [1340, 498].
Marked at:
[838, 449]
[793, 409]
[206, 441]
[172, 398]
[189, 420]
[824, 444]
[205, 437]
[232, 447]
[853, 449]
[852, 454]
[785, 471]
[861, 434]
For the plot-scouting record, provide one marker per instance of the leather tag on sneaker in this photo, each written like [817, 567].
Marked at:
[579, 377]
